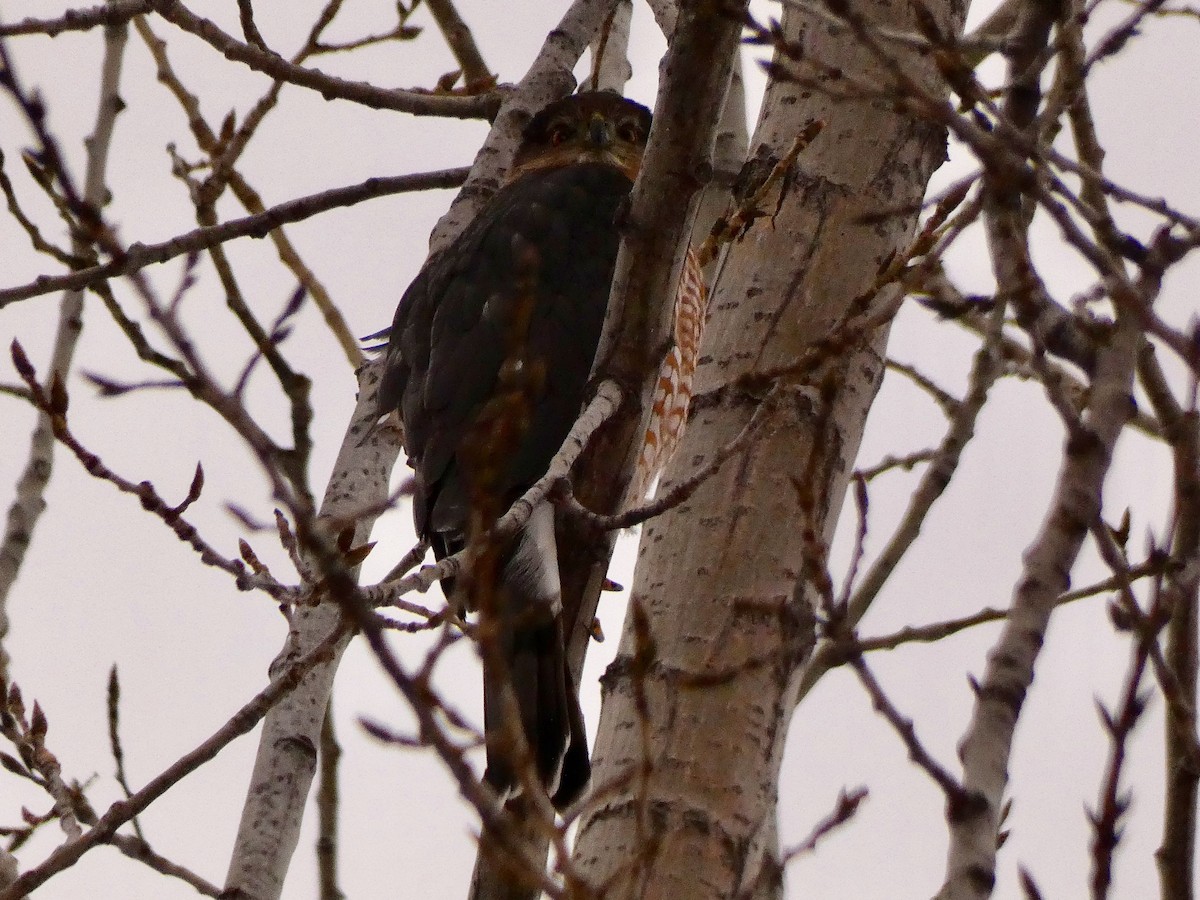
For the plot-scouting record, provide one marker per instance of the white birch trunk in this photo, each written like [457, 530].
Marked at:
[721, 619]
[286, 760]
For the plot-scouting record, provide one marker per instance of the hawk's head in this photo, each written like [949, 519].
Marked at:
[593, 127]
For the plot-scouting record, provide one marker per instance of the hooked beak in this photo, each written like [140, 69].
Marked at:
[600, 132]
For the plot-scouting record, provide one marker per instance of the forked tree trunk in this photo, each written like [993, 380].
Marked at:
[685, 792]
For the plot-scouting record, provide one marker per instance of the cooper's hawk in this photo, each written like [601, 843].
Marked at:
[487, 362]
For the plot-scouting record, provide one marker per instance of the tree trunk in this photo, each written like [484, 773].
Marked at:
[695, 80]
[697, 703]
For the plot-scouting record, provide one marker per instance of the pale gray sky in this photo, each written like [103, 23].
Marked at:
[105, 583]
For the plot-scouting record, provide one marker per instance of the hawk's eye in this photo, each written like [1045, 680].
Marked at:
[630, 132]
[559, 132]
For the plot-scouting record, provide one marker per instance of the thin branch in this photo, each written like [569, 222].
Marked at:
[137, 256]
[416, 102]
[224, 153]
[847, 805]
[955, 794]
[947, 402]
[249, 28]
[1114, 803]
[242, 722]
[114, 742]
[987, 744]
[929, 634]
[137, 849]
[476, 74]
[1175, 856]
[985, 370]
[53, 402]
[906, 463]
[670, 495]
[36, 238]
[29, 502]
[116, 12]
[329, 755]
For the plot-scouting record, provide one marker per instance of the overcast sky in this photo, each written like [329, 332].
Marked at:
[104, 583]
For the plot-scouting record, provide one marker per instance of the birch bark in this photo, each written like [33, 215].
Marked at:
[697, 703]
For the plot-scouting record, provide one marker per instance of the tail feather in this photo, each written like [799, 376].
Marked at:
[577, 764]
[532, 660]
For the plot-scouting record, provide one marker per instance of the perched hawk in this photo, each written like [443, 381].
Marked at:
[487, 362]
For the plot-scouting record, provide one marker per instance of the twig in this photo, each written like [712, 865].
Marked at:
[27, 506]
[1182, 595]
[225, 152]
[476, 74]
[413, 557]
[329, 755]
[53, 404]
[1113, 803]
[138, 849]
[928, 634]
[137, 256]
[115, 12]
[956, 795]
[598, 411]
[416, 102]
[907, 463]
[39, 242]
[114, 742]
[668, 496]
[947, 402]
[249, 29]
[984, 372]
[844, 810]
[243, 721]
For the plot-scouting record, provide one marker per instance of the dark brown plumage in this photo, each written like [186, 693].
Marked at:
[487, 363]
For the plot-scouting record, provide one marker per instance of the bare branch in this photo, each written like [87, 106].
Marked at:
[243, 721]
[984, 372]
[329, 755]
[416, 102]
[137, 256]
[223, 170]
[137, 849]
[52, 404]
[476, 74]
[1175, 856]
[986, 746]
[115, 12]
[27, 506]
[114, 742]
[955, 794]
